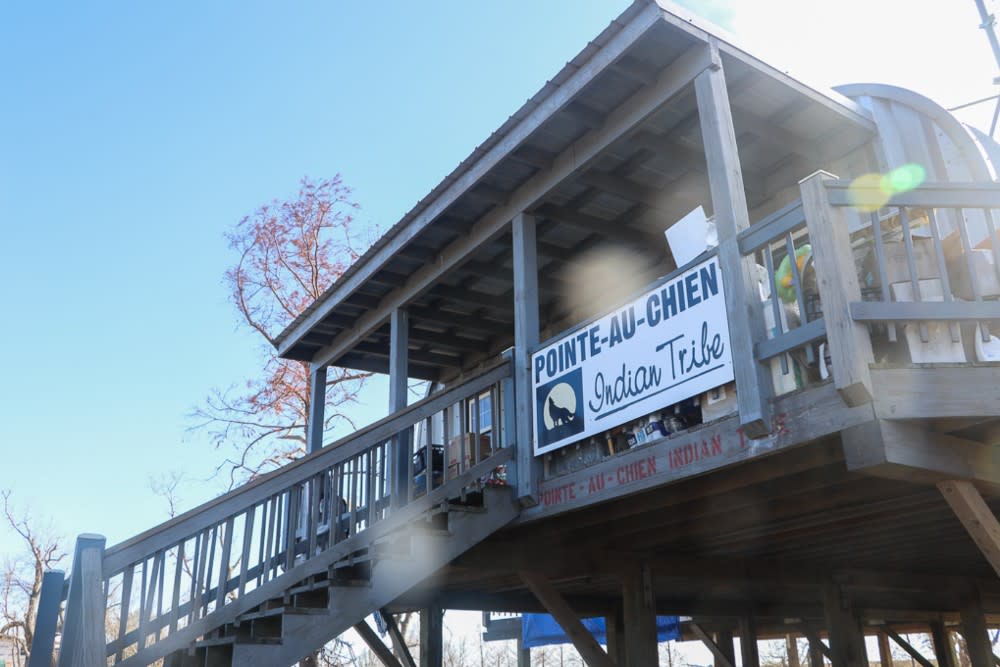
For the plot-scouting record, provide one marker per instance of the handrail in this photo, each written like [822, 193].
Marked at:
[932, 194]
[209, 563]
[192, 521]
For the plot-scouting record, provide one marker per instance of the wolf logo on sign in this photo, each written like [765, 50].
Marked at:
[559, 408]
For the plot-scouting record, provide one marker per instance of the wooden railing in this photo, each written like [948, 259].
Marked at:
[169, 585]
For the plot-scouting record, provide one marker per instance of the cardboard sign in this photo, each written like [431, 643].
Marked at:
[669, 344]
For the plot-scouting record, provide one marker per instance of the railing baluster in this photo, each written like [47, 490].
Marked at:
[799, 296]
[312, 527]
[777, 330]
[370, 490]
[211, 565]
[970, 266]
[123, 608]
[942, 270]
[175, 599]
[248, 530]
[146, 610]
[354, 495]
[265, 564]
[227, 550]
[291, 524]
[883, 278]
[904, 219]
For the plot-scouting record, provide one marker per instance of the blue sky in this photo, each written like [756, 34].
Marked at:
[133, 135]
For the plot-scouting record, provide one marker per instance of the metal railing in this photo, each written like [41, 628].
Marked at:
[164, 588]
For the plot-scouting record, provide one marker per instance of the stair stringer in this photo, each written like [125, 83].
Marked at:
[391, 578]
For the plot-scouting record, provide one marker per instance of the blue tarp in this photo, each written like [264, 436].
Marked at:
[543, 630]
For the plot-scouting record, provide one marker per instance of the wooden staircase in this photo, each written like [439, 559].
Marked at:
[285, 629]
[270, 572]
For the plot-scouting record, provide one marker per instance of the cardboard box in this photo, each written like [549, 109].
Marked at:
[462, 454]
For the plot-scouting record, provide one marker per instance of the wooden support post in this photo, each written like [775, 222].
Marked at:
[402, 651]
[376, 645]
[46, 619]
[523, 654]
[942, 645]
[817, 649]
[884, 650]
[749, 653]
[754, 388]
[83, 639]
[431, 639]
[399, 327]
[792, 650]
[977, 637]
[526, 335]
[317, 408]
[582, 639]
[850, 345]
[639, 616]
[724, 640]
[976, 516]
[615, 627]
[722, 659]
[847, 642]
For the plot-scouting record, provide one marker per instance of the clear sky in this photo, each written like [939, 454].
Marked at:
[133, 135]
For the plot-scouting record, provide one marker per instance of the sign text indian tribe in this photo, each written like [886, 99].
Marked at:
[669, 344]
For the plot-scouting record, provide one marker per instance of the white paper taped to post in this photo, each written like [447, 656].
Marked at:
[669, 344]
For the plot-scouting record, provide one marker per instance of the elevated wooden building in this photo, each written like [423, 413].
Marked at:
[790, 431]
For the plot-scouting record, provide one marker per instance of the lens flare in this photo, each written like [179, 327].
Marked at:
[870, 192]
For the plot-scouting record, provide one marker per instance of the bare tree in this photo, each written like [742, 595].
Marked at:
[22, 578]
[289, 253]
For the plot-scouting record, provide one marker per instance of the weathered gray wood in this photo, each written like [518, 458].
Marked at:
[910, 650]
[772, 227]
[398, 640]
[577, 157]
[911, 451]
[208, 514]
[978, 519]
[904, 311]
[317, 407]
[639, 607]
[749, 653]
[526, 336]
[602, 59]
[977, 636]
[850, 345]
[722, 659]
[930, 195]
[727, 647]
[83, 638]
[916, 393]
[791, 340]
[802, 417]
[399, 329]
[847, 643]
[942, 645]
[614, 624]
[582, 639]
[46, 619]
[376, 645]
[729, 206]
[431, 638]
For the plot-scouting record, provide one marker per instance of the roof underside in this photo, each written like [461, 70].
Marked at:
[624, 198]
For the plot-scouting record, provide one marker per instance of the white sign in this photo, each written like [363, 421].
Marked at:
[669, 344]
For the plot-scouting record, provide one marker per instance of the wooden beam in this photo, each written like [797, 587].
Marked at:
[850, 344]
[376, 645]
[816, 646]
[749, 654]
[884, 650]
[317, 406]
[398, 640]
[399, 367]
[614, 624]
[906, 646]
[726, 645]
[608, 229]
[722, 659]
[640, 615]
[979, 521]
[431, 636]
[582, 639]
[942, 645]
[911, 452]
[729, 206]
[792, 650]
[977, 638]
[46, 619]
[577, 157]
[915, 393]
[526, 336]
[847, 642]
